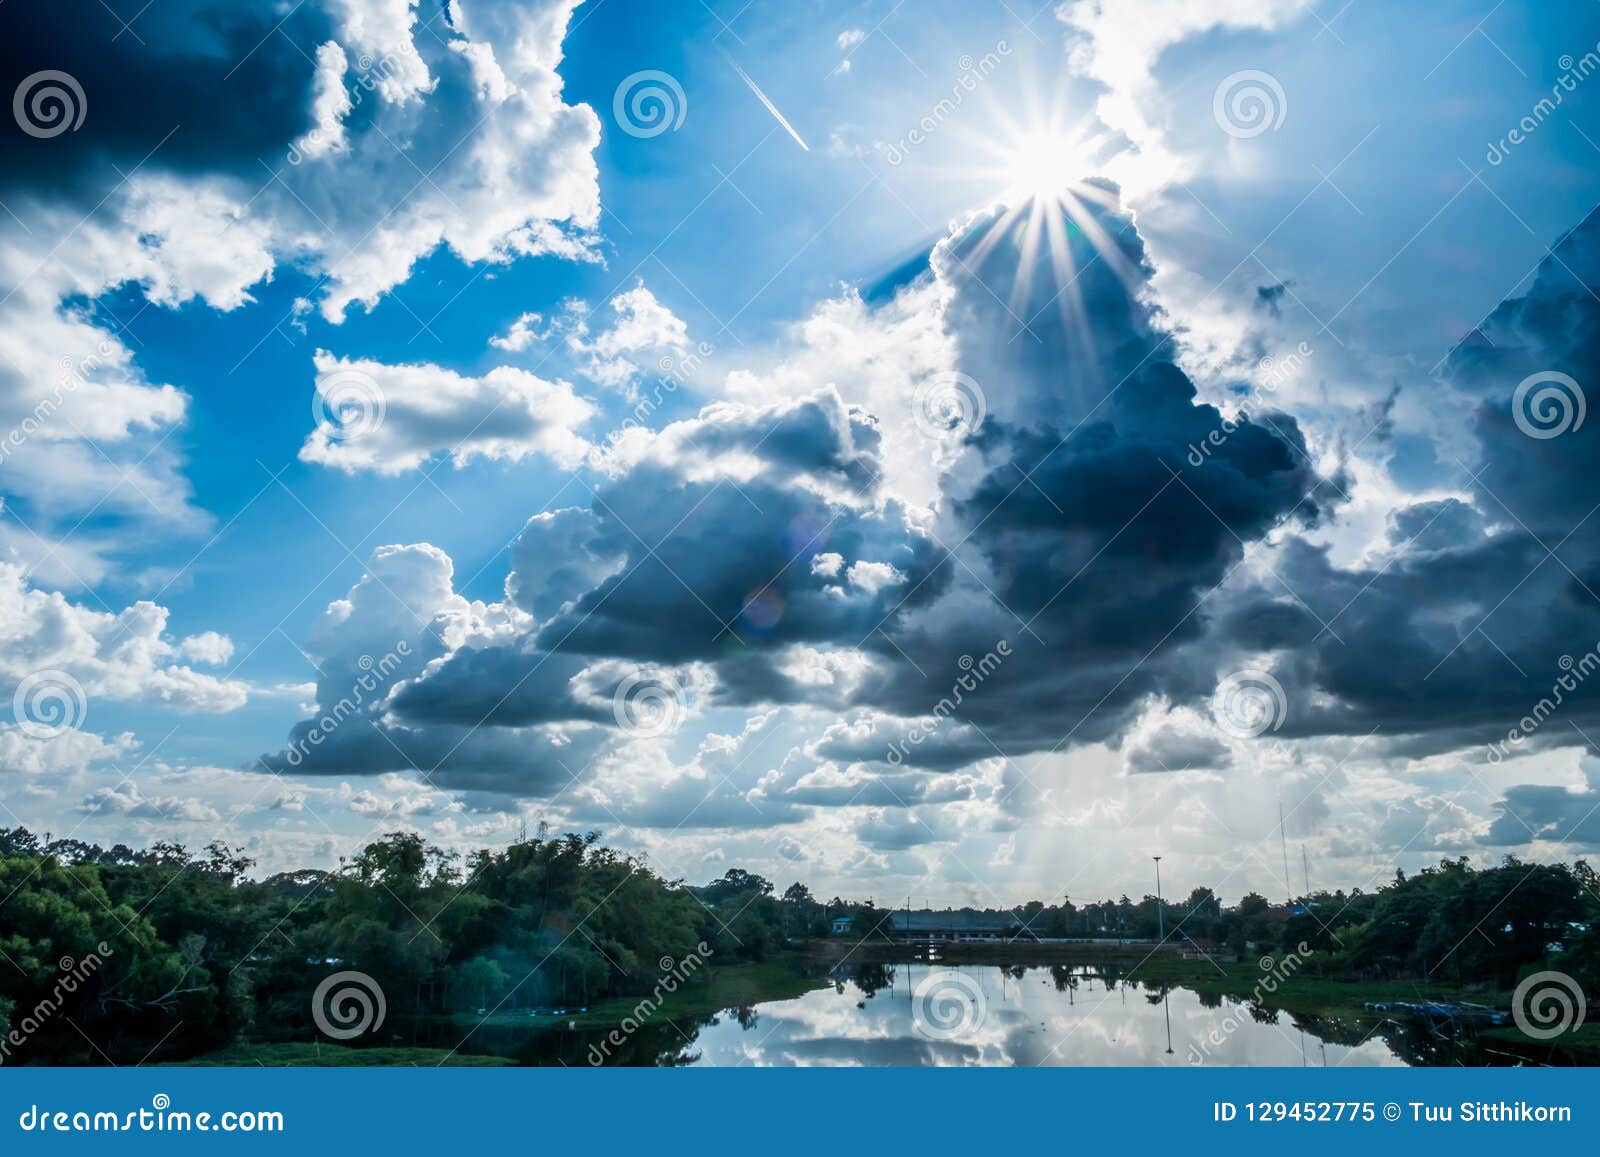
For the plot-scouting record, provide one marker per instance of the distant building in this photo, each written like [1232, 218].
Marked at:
[841, 925]
[1200, 948]
[958, 925]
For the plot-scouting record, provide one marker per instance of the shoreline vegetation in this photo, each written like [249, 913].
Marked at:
[178, 957]
[738, 986]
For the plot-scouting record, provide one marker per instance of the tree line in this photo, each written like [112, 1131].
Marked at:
[115, 953]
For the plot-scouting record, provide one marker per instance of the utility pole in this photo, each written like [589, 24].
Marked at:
[1283, 840]
[1161, 920]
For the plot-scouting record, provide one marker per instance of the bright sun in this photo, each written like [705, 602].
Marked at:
[1043, 166]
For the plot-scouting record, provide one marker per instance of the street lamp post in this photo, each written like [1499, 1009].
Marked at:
[1161, 920]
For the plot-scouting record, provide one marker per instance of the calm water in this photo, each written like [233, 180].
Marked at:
[928, 1014]
[988, 1016]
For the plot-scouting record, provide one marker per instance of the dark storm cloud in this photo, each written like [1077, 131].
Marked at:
[1482, 610]
[1436, 526]
[735, 573]
[484, 759]
[816, 436]
[1088, 525]
[499, 686]
[1121, 492]
[1536, 811]
[714, 567]
[214, 84]
[1103, 502]
[1093, 523]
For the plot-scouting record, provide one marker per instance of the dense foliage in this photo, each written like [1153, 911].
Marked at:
[189, 953]
[1452, 922]
[116, 954]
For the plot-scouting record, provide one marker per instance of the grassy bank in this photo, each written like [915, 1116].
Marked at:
[319, 1055]
[707, 992]
[1347, 999]
[1298, 992]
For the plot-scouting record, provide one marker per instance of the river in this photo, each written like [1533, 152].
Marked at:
[931, 1014]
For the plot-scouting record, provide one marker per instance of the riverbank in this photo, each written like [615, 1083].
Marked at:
[1348, 999]
[1290, 990]
[317, 1054]
[1339, 1004]
[712, 990]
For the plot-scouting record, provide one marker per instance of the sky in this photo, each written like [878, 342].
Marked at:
[947, 450]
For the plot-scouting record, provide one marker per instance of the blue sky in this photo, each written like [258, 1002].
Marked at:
[1309, 276]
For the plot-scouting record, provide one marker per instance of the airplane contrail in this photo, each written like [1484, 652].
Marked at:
[771, 108]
